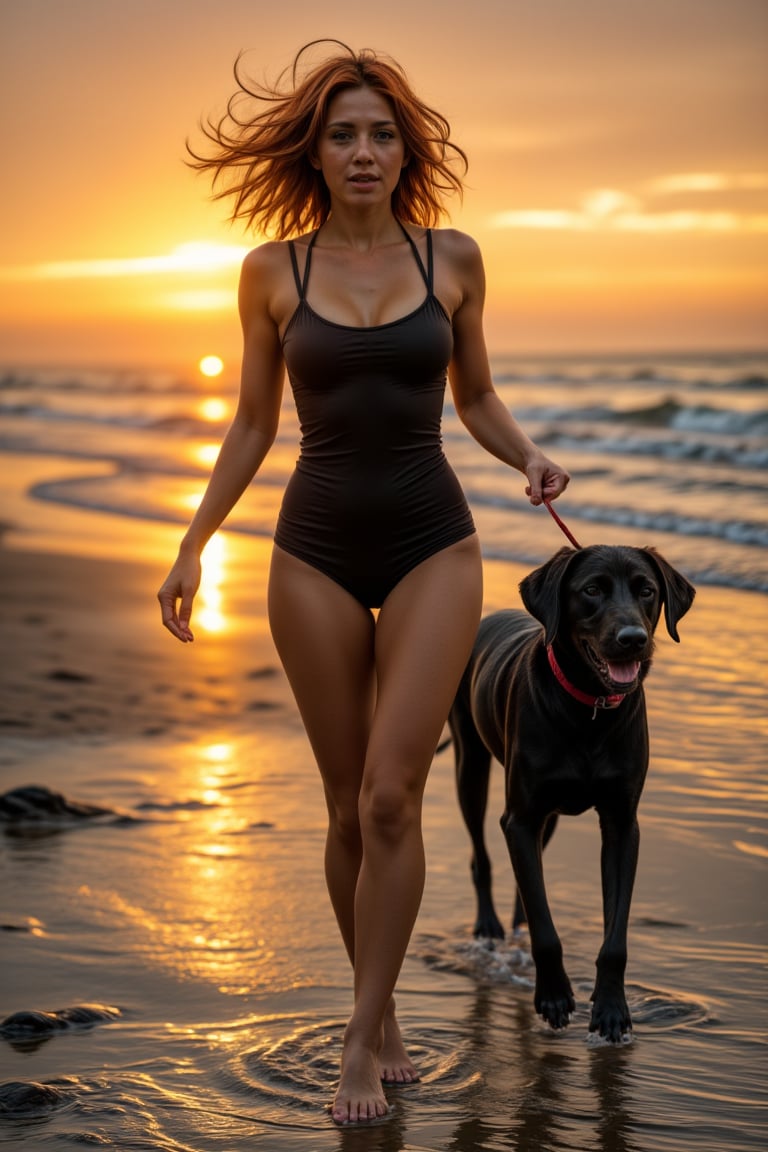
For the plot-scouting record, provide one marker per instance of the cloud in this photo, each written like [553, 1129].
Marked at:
[708, 182]
[612, 210]
[192, 257]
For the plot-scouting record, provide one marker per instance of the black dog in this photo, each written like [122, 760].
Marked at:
[562, 708]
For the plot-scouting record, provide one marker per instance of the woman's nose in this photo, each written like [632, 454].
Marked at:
[363, 148]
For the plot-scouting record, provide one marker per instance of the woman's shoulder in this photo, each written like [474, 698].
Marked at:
[461, 253]
[272, 256]
[267, 279]
[456, 246]
[265, 257]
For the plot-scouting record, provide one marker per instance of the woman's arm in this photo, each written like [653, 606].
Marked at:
[245, 445]
[478, 404]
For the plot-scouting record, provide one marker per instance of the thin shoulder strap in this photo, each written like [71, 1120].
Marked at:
[295, 263]
[427, 273]
[301, 282]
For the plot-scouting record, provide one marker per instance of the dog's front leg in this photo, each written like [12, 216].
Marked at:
[553, 998]
[618, 862]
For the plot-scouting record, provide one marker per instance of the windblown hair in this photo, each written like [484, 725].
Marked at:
[262, 158]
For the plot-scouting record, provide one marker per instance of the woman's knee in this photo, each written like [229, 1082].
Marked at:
[389, 809]
[342, 804]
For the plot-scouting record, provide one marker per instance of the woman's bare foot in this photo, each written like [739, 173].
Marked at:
[394, 1064]
[359, 1097]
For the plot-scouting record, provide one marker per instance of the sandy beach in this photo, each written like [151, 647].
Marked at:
[192, 913]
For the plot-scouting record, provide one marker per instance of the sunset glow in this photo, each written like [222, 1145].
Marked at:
[609, 209]
[190, 257]
[618, 180]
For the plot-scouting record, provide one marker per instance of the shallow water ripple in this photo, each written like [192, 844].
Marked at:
[292, 1074]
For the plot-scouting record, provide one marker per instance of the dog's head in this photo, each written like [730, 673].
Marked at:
[605, 602]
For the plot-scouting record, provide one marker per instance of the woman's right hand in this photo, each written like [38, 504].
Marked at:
[179, 588]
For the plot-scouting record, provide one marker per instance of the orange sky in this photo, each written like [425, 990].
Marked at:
[618, 179]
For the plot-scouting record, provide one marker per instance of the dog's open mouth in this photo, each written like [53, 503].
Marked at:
[619, 675]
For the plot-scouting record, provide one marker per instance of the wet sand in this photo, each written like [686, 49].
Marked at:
[90, 657]
[190, 918]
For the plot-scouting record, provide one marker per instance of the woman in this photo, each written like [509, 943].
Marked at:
[368, 309]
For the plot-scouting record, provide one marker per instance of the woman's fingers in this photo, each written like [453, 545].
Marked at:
[546, 480]
[173, 591]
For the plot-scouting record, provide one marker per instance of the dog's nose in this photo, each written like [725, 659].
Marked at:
[632, 636]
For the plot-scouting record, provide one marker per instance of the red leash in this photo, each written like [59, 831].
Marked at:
[563, 527]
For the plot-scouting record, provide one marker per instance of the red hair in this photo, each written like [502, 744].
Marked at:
[262, 157]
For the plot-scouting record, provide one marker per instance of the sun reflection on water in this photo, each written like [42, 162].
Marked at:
[205, 454]
[213, 409]
[208, 613]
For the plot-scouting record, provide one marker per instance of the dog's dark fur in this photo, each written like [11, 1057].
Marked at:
[598, 607]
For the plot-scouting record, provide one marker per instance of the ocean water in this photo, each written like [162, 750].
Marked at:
[194, 907]
[665, 450]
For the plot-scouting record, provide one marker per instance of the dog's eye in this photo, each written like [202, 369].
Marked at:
[648, 592]
[592, 590]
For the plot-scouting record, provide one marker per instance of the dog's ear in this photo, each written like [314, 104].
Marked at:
[540, 591]
[676, 591]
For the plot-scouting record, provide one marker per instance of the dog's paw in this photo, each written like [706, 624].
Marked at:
[488, 928]
[611, 1020]
[487, 925]
[555, 1006]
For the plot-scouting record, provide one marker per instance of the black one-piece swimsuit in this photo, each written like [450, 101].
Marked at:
[372, 494]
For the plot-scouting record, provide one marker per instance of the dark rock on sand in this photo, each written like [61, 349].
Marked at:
[69, 676]
[33, 803]
[33, 1023]
[22, 1098]
[28, 1029]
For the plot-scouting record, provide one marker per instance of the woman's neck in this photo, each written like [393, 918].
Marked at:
[362, 232]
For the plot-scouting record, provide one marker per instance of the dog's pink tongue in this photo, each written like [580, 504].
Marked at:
[624, 673]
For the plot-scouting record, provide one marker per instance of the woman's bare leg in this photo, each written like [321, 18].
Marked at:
[374, 766]
[325, 640]
[424, 636]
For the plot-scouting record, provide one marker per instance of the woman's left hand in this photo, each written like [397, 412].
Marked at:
[546, 480]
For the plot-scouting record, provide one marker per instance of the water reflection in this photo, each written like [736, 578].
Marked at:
[529, 1102]
[608, 1069]
[209, 614]
[214, 917]
[213, 409]
[388, 1136]
[206, 454]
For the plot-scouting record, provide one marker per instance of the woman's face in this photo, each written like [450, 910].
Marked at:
[360, 150]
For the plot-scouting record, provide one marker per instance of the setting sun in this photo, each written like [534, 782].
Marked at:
[211, 365]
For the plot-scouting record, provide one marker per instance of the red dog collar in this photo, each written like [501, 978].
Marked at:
[593, 702]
